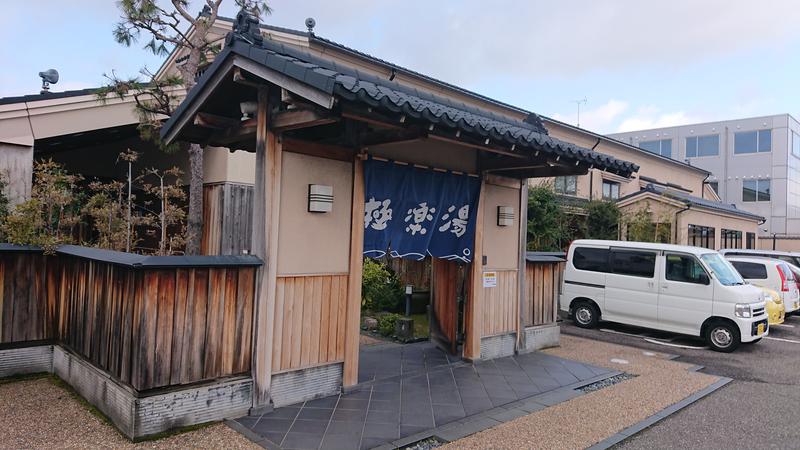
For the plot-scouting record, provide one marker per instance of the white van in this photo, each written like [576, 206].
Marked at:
[687, 290]
[773, 274]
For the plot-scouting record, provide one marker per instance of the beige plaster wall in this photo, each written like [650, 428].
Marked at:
[314, 243]
[784, 245]
[500, 244]
[430, 153]
[718, 222]
[650, 166]
[222, 165]
[16, 166]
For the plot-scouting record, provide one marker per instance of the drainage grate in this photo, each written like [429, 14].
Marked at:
[425, 444]
[596, 386]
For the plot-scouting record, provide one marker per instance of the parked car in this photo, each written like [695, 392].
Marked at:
[680, 289]
[774, 274]
[796, 307]
[776, 313]
[791, 258]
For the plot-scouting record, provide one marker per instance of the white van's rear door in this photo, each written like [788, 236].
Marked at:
[632, 287]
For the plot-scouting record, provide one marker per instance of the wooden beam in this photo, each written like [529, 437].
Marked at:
[243, 131]
[266, 207]
[474, 307]
[290, 84]
[353, 305]
[208, 120]
[522, 269]
[486, 148]
[374, 119]
[316, 149]
[299, 118]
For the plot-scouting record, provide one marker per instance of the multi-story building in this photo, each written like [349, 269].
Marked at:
[678, 194]
[754, 164]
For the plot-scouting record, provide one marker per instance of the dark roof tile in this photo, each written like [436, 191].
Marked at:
[356, 86]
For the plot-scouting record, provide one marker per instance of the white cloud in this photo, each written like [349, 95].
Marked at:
[596, 119]
[650, 117]
[466, 41]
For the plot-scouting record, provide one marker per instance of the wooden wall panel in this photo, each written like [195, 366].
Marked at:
[543, 281]
[444, 302]
[227, 219]
[148, 328]
[500, 304]
[309, 323]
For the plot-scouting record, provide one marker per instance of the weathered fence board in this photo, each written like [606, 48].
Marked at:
[228, 219]
[543, 281]
[149, 327]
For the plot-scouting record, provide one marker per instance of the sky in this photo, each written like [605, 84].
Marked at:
[638, 63]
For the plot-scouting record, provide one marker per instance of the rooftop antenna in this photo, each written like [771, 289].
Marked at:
[48, 77]
[310, 24]
[578, 102]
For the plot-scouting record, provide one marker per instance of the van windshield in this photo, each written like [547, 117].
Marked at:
[722, 269]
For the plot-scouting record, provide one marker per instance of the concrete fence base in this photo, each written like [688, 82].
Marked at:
[498, 346]
[136, 415]
[306, 384]
[539, 337]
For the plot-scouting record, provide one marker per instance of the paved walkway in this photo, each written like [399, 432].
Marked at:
[413, 389]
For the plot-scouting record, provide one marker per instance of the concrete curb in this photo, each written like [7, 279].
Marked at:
[663, 414]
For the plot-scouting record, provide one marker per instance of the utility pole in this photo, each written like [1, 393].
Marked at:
[578, 102]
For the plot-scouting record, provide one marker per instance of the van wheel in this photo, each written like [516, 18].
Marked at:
[585, 315]
[723, 337]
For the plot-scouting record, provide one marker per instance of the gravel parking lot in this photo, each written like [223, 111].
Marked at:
[759, 406]
[38, 413]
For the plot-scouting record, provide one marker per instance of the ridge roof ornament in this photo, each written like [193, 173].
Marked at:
[247, 28]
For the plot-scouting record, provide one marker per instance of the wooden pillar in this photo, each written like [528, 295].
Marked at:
[353, 306]
[474, 308]
[523, 304]
[266, 207]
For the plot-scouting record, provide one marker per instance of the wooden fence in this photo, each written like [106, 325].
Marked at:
[543, 276]
[150, 322]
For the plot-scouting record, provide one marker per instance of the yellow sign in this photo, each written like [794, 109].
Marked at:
[489, 279]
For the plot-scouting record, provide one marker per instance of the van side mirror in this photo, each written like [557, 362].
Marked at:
[703, 279]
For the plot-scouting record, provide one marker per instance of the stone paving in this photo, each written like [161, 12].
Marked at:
[414, 388]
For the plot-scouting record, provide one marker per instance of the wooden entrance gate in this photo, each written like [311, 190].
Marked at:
[447, 289]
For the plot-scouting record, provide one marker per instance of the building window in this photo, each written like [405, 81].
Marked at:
[714, 185]
[751, 241]
[567, 185]
[698, 146]
[610, 190]
[731, 238]
[795, 144]
[661, 147]
[752, 141]
[755, 190]
[700, 236]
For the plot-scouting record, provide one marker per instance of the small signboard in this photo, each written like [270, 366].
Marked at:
[489, 279]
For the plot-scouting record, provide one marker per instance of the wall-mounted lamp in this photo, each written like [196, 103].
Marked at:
[320, 198]
[248, 109]
[505, 216]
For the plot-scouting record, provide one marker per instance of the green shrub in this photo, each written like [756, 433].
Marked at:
[380, 287]
[386, 323]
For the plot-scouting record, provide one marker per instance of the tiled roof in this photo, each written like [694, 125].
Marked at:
[354, 86]
[688, 200]
[47, 96]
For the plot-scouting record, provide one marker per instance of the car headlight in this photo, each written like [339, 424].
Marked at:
[743, 310]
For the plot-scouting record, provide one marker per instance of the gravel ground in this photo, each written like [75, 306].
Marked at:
[37, 413]
[590, 418]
